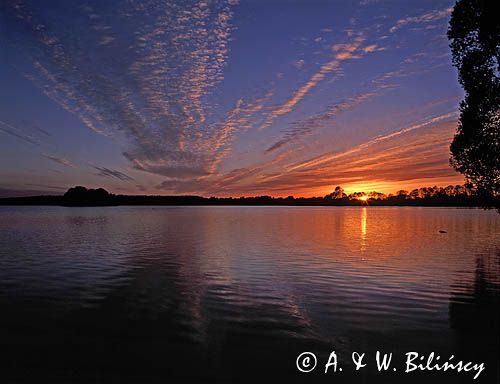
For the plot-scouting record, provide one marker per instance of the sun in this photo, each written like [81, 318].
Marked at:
[363, 198]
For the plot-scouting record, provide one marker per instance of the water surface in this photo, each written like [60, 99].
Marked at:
[115, 294]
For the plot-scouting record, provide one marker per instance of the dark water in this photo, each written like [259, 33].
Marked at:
[174, 294]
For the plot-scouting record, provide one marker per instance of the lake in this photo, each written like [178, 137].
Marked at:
[231, 294]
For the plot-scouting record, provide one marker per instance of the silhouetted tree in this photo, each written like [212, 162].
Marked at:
[338, 193]
[377, 195]
[77, 192]
[450, 190]
[474, 32]
[83, 196]
[356, 195]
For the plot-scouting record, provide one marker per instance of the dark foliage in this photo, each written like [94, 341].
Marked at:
[474, 32]
[81, 196]
[451, 196]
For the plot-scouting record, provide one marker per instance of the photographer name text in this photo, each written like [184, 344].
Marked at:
[413, 362]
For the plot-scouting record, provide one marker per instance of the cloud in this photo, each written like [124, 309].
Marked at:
[15, 192]
[148, 76]
[427, 17]
[379, 86]
[372, 48]
[414, 58]
[11, 130]
[141, 187]
[147, 86]
[106, 172]
[409, 157]
[57, 188]
[59, 160]
[376, 140]
[220, 183]
[299, 63]
[106, 40]
[341, 52]
[300, 128]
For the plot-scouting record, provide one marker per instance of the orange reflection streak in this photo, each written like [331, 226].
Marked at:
[364, 213]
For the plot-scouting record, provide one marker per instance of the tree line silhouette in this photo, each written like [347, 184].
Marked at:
[450, 196]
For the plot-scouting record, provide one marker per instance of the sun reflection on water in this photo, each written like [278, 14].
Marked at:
[363, 229]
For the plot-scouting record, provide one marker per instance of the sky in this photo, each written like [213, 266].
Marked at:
[226, 98]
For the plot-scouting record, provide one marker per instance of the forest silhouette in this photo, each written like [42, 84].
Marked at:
[450, 196]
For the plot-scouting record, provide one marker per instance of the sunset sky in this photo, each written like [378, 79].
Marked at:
[226, 98]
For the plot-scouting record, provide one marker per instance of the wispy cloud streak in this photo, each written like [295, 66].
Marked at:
[329, 157]
[10, 130]
[113, 173]
[300, 128]
[413, 156]
[427, 17]
[59, 160]
[341, 52]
